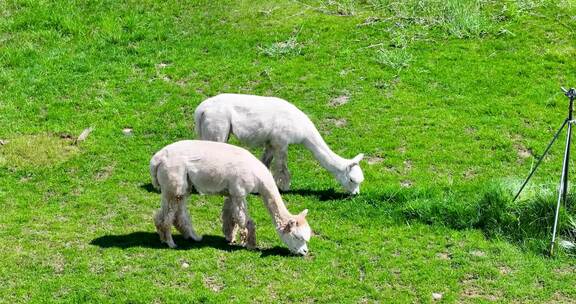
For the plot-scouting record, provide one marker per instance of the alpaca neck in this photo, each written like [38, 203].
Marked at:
[274, 203]
[327, 158]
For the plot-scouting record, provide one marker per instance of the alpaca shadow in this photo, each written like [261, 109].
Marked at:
[151, 240]
[323, 195]
[150, 188]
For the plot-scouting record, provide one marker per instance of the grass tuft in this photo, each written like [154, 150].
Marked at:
[396, 59]
[40, 150]
[527, 223]
[290, 47]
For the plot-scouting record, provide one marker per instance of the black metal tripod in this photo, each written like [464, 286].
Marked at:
[563, 189]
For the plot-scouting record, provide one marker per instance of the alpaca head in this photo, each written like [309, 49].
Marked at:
[295, 233]
[352, 175]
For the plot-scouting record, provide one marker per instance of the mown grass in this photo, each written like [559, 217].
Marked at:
[451, 102]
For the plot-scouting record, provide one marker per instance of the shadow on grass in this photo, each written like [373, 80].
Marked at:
[150, 188]
[323, 195]
[151, 240]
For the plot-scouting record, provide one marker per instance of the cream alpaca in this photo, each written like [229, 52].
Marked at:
[219, 168]
[273, 123]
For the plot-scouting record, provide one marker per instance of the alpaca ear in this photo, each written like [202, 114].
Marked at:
[304, 213]
[356, 160]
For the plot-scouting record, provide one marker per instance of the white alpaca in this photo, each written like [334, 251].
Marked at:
[219, 168]
[273, 123]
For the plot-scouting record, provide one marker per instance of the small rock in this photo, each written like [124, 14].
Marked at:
[436, 296]
[127, 131]
[2, 142]
[185, 265]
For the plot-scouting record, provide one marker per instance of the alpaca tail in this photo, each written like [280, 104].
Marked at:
[198, 119]
[154, 163]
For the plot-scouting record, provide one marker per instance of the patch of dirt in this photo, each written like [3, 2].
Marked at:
[505, 270]
[478, 253]
[469, 279]
[475, 292]
[338, 122]
[406, 183]
[66, 136]
[471, 290]
[565, 270]
[58, 264]
[372, 160]
[162, 65]
[469, 174]
[470, 130]
[559, 297]
[105, 172]
[444, 255]
[407, 165]
[213, 284]
[523, 152]
[338, 101]
[390, 168]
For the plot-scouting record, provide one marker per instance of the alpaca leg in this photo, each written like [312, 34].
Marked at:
[183, 224]
[229, 226]
[267, 156]
[245, 223]
[281, 172]
[251, 237]
[164, 219]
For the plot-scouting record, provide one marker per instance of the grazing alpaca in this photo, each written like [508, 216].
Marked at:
[219, 168]
[273, 123]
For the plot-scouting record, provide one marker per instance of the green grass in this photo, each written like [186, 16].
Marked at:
[451, 101]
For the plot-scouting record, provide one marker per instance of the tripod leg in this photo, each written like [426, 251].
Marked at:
[540, 160]
[563, 190]
[566, 164]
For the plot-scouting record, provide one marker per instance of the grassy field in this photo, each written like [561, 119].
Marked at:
[451, 101]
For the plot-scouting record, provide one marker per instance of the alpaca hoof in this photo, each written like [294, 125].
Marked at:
[251, 246]
[197, 238]
[172, 245]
